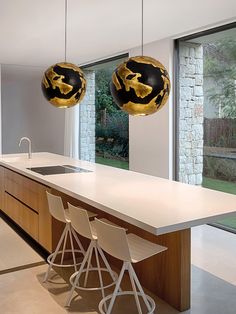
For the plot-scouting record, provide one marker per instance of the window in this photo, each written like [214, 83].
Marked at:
[111, 123]
[206, 153]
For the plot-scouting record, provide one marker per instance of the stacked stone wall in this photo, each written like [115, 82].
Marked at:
[87, 120]
[191, 99]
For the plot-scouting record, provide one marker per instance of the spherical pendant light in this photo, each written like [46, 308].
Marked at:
[140, 86]
[64, 85]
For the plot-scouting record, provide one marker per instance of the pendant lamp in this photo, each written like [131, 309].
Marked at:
[63, 83]
[140, 85]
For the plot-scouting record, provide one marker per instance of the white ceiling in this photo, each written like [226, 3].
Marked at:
[32, 32]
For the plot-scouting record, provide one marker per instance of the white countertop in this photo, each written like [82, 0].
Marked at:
[151, 203]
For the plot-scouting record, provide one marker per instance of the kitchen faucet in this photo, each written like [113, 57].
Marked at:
[29, 141]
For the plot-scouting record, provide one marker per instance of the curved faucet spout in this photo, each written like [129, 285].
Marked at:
[29, 142]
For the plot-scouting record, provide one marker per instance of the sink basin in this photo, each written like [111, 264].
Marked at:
[59, 169]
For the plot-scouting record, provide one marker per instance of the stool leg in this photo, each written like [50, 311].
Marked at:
[113, 277]
[78, 241]
[100, 275]
[64, 246]
[88, 265]
[72, 247]
[140, 288]
[130, 271]
[68, 301]
[124, 267]
[55, 253]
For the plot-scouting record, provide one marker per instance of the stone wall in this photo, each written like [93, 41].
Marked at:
[87, 120]
[190, 113]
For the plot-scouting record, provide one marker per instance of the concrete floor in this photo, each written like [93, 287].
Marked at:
[213, 281]
[14, 252]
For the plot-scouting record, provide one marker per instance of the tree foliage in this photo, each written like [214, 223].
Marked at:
[103, 98]
[220, 66]
[111, 121]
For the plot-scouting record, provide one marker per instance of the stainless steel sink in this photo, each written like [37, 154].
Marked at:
[60, 169]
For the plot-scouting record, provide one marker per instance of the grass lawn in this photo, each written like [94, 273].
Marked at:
[219, 185]
[112, 162]
[223, 186]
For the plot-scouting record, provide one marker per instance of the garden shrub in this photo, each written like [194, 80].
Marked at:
[219, 168]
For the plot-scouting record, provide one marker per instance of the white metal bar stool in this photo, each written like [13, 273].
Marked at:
[129, 248]
[82, 225]
[58, 211]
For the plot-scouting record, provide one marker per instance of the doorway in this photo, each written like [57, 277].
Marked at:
[206, 117]
[111, 123]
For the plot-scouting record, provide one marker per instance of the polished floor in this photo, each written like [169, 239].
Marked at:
[213, 281]
[14, 252]
[214, 251]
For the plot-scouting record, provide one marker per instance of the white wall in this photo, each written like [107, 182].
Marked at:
[0, 110]
[25, 112]
[150, 137]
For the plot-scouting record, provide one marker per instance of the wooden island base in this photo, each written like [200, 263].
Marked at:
[167, 275]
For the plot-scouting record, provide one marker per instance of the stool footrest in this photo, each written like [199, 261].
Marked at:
[50, 257]
[104, 300]
[93, 288]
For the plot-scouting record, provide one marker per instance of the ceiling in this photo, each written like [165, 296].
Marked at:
[32, 32]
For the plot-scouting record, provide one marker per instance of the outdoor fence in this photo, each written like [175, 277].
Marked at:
[220, 132]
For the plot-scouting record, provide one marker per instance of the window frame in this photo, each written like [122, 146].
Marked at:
[176, 86]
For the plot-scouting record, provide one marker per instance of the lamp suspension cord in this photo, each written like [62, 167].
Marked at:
[142, 28]
[65, 29]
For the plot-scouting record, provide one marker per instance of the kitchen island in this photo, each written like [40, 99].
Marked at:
[157, 209]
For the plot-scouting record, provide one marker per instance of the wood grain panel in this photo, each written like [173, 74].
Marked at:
[26, 218]
[22, 188]
[45, 219]
[167, 274]
[33, 195]
[1, 187]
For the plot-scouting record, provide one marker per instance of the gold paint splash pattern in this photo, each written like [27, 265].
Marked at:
[140, 109]
[148, 60]
[56, 81]
[141, 90]
[130, 80]
[116, 81]
[63, 103]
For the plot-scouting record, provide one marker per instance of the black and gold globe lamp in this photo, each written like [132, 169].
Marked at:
[63, 83]
[141, 85]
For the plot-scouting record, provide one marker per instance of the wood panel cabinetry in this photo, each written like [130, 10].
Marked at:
[22, 188]
[1, 187]
[24, 216]
[24, 201]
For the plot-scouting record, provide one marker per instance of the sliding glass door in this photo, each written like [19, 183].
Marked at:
[111, 123]
[206, 117]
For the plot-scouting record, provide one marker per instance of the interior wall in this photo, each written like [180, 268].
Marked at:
[151, 137]
[25, 112]
[0, 110]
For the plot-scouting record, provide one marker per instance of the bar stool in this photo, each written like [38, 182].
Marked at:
[82, 225]
[57, 210]
[128, 248]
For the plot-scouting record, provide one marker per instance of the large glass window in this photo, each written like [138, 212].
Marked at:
[206, 153]
[111, 123]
